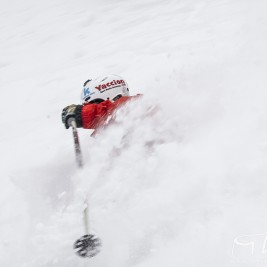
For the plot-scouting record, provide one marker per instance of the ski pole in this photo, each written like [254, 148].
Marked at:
[88, 245]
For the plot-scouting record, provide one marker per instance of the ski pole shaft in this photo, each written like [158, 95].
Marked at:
[77, 147]
[86, 216]
[78, 154]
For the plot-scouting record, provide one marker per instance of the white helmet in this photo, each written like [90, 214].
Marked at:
[111, 87]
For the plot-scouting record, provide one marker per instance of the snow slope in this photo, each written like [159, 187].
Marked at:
[182, 186]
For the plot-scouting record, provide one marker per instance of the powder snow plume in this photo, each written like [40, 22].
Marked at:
[180, 178]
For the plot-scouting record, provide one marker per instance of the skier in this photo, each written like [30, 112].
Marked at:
[100, 98]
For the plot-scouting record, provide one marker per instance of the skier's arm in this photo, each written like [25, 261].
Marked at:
[91, 116]
[87, 116]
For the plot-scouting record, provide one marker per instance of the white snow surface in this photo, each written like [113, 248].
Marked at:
[181, 174]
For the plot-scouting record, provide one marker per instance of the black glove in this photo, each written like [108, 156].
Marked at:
[72, 112]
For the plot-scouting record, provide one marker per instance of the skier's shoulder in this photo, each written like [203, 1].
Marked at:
[125, 99]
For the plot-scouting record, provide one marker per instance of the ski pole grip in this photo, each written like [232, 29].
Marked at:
[72, 123]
